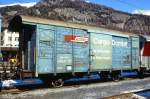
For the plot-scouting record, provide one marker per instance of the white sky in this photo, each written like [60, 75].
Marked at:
[144, 12]
[22, 4]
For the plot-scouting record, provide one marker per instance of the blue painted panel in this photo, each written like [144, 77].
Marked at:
[56, 54]
[45, 47]
[135, 52]
[121, 52]
[63, 50]
[101, 51]
[81, 51]
[46, 27]
[71, 55]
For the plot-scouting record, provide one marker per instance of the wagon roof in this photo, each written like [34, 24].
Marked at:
[22, 19]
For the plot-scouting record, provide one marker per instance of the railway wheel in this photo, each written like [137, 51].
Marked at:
[116, 78]
[58, 83]
[115, 75]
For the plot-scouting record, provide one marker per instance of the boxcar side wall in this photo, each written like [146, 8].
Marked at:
[101, 51]
[121, 53]
[62, 49]
[135, 52]
[45, 49]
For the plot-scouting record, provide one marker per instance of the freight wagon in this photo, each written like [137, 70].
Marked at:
[55, 50]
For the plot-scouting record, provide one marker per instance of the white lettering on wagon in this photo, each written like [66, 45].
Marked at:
[97, 41]
[119, 43]
[102, 42]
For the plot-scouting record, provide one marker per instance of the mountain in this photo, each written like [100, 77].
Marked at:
[8, 12]
[78, 11]
[83, 12]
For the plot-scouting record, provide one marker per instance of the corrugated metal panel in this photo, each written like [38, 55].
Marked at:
[63, 50]
[81, 51]
[72, 52]
[135, 52]
[101, 51]
[108, 32]
[45, 47]
[46, 27]
[121, 53]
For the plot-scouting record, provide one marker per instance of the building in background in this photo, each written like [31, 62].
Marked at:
[9, 44]
[9, 39]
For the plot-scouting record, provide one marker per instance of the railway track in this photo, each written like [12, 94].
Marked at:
[96, 90]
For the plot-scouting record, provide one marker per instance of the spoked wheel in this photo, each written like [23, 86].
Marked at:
[58, 83]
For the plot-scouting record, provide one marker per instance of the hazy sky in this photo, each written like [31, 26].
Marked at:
[123, 5]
